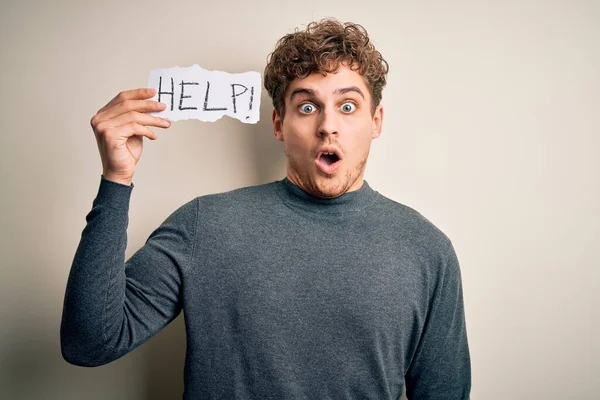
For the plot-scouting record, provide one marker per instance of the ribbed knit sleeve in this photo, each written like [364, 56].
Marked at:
[111, 305]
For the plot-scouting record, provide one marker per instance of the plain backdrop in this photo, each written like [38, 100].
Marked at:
[491, 131]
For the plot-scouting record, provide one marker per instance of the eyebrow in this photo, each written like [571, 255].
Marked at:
[296, 91]
[311, 92]
[350, 89]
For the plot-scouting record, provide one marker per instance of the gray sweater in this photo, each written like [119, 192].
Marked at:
[285, 296]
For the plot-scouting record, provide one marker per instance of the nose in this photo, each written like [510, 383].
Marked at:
[328, 124]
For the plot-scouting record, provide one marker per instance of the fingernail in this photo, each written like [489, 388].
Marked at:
[162, 105]
[152, 91]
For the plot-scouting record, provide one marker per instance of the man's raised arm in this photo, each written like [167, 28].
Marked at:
[112, 306]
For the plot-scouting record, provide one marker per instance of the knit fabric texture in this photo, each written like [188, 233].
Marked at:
[284, 295]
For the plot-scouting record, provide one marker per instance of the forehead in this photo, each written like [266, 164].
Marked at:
[326, 85]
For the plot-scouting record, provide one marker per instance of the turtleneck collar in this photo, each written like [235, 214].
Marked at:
[348, 202]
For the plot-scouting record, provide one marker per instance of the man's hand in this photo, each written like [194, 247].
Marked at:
[120, 127]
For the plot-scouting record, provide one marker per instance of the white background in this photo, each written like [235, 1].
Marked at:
[491, 130]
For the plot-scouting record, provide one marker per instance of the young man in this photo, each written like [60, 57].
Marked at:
[312, 287]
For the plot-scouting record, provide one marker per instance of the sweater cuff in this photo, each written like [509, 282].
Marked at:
[114, 195]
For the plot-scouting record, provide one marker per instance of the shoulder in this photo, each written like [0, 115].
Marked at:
[246, 204]
[403, 221]
[245, 196]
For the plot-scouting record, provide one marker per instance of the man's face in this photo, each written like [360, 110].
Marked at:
[323, 115]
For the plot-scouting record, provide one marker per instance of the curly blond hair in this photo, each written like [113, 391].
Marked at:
[322, 47]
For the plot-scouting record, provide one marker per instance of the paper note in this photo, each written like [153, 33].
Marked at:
[197, 93]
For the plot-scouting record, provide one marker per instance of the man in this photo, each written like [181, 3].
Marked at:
[312, 287]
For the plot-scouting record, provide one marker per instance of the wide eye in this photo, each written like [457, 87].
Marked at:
[348, 107]
[307, 108]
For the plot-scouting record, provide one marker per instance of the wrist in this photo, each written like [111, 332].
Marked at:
[118, 179]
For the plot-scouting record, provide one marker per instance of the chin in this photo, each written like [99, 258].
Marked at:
[324, 186]
[329, 187]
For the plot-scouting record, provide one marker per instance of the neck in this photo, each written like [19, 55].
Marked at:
[315, 191]
[348, 202]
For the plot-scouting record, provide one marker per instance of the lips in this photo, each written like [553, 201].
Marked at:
[328, 160]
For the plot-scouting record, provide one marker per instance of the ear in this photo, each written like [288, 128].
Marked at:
[277, 122]
[377, 121]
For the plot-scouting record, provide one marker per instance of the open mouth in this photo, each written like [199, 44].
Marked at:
[329, 158]
[328, 161]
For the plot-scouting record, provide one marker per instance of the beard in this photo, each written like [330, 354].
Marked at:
[322, 185]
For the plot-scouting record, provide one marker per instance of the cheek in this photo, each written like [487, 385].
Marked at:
[294, 143]
[298, 137]
[359, 139]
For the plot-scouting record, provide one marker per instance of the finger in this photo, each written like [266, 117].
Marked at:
[128, 130]
[134, 94]
[126, 106]
[134, 116]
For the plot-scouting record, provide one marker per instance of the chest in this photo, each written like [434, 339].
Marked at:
[319, 276]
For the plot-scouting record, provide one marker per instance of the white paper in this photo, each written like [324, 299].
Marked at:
[197, 93]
